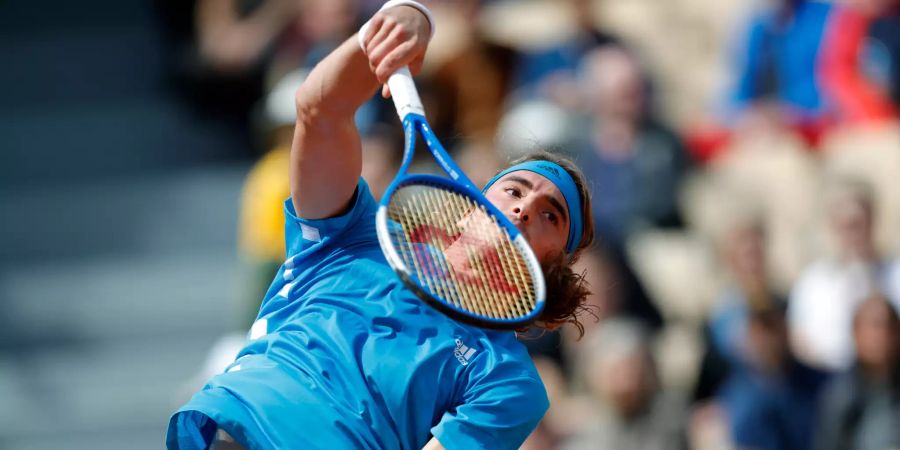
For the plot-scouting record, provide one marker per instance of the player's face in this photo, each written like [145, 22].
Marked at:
[536, 207]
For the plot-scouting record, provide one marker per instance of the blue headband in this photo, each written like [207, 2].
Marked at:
[566, 185]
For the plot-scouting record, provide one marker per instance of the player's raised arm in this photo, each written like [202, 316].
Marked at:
[325, 155]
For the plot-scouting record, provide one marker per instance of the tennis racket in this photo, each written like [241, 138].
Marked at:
[447, 242]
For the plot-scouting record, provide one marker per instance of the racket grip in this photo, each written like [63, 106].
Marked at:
[404, 93]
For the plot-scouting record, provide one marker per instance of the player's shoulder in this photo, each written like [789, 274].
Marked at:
[505, 342]
[503, 353]
[510, 366]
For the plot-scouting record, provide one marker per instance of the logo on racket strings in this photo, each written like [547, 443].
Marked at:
[429, 259]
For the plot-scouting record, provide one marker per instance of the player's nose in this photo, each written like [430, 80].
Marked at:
[523, 209]
[520, 213]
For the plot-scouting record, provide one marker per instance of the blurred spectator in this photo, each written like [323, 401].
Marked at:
[861, 409]
[236, 49]
[746, 288]
[777, 61]
[860, 62]
[770, 397]
[625, 407]
[885, 32]
[466, 78]
[828, 291]
[233, 35]
[635, 164]
[551, 72]
[537, 123]
[627, 290]
[221, 68]
[776, 85]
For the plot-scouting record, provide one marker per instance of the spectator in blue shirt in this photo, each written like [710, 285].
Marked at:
[770, 398]
[776, 61]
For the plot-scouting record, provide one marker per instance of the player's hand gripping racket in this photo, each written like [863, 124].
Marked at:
[451, 246]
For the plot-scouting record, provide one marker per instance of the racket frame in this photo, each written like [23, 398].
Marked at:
[415, 124]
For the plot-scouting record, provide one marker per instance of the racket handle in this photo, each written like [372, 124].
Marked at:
[404, 93]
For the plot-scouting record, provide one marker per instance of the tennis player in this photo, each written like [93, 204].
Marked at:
[342, 354]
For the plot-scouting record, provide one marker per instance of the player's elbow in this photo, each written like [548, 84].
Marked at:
[308, 108]
[312, 107]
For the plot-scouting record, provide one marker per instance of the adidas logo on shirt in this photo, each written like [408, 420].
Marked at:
[463, 353]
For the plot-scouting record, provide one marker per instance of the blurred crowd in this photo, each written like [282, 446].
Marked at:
[744, 159]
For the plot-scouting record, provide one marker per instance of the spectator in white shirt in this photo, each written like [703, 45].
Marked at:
[824, 297]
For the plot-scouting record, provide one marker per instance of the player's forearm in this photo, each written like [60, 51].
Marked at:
[337, 86]
[325, 156]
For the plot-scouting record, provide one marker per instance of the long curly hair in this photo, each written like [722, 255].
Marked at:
[566, 289]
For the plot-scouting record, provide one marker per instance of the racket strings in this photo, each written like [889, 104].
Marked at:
[410, 256]
[449, 282]
[444, 277]
[460, 253]
[467, 297]
[492, 272]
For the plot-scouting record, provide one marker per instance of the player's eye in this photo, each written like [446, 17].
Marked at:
[551, 217]
[513, 192]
